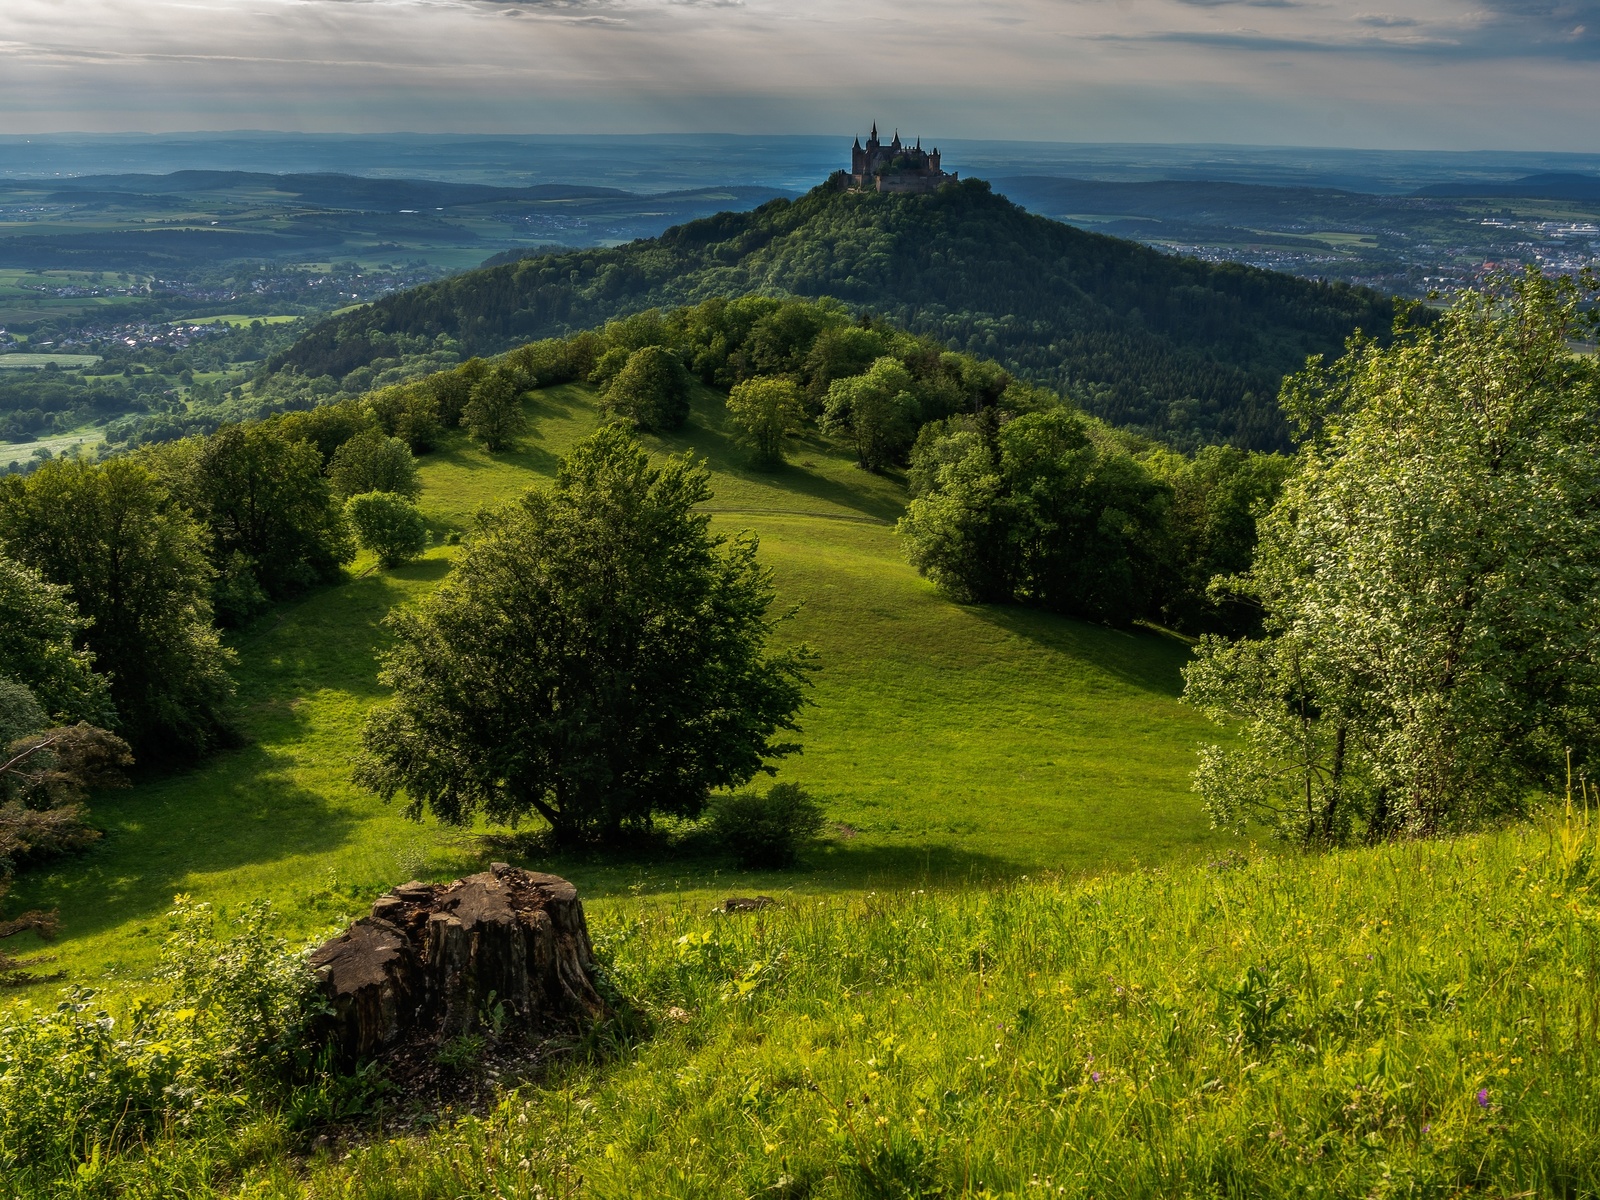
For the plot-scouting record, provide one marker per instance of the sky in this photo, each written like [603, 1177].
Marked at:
[1401, 74]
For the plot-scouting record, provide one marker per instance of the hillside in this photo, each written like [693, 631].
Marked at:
[948, 743]
[1178, 348]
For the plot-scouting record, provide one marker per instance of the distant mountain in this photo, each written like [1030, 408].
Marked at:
[1178, 348]
[1548, 186]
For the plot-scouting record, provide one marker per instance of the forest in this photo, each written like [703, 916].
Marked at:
[1189, 352]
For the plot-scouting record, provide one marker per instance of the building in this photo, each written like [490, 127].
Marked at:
[894, 168]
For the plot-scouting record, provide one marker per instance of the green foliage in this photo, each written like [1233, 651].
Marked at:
[1217, 498]
[651, 389]
[40, 632]
[20, 712]
[374, 462]
[1430, 581]
[267, 506]
[327, 426]
[878, 410]
[767, 411]
[84, 1086]
[766, 829]
[1033, 511]
[132, 560]
[494, 414]
[596, 657]
[409, 412]
[1177, 348]
[388, 525]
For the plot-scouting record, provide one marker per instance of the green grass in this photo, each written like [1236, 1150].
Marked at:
[948, 743]
[23, 361]
[1418, 1020]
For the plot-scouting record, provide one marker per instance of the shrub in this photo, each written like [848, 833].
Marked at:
[766, 830]
[237, 1028]
[388, 525]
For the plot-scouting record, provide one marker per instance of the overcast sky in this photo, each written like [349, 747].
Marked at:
[1447, 74]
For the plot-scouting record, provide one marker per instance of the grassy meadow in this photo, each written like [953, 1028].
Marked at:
[949, 744]
[1021, 966]
[1418, 1020]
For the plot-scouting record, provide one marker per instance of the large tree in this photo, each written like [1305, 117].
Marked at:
[133, 561]
[597, 656]
[766, 410]
[1430, 580]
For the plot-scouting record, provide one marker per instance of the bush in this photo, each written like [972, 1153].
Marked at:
[237, 1028]
[388, 525]
[766, 830]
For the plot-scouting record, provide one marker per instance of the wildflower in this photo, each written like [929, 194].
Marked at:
[1483, 1097]
[1094, 1076]
[1427, 1129]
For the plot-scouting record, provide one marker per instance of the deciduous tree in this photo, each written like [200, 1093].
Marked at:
[596, 657]
[1430, 581]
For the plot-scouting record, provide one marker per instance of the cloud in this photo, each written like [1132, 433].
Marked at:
[1209, 70]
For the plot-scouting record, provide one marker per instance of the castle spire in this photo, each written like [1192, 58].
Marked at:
[874, 135]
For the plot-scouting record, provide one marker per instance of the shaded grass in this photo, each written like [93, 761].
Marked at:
[949, 744]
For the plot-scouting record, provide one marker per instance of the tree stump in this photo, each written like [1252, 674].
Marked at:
[507, 948]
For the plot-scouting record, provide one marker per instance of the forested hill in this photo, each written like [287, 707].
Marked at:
[1178, 348]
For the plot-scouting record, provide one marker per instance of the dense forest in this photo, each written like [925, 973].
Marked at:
[1177, 348]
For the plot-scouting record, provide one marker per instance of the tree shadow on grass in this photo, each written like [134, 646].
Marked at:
[238, 809]
[708, 435]
[1148, 659]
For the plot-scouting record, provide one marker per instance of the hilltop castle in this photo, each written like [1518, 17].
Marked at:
[894, 168]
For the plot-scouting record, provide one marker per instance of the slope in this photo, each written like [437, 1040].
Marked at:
[1175, 347]
[947, 743]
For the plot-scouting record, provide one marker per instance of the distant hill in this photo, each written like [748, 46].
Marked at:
[1182, 349]
[1552, 185]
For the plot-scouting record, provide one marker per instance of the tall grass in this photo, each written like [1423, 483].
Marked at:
[1418, 1019]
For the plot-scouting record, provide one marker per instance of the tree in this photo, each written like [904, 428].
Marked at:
[596, 657]
[373, 462]
[388, 525]
[409, 412]
[40, 648]
[1430, 580]
[494, 413]
[267, 505]
[766, 410]
[1032, 511]
[132, 561]
[651, 390]
[877, 409]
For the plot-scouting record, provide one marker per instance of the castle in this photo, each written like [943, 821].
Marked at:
[894, 168]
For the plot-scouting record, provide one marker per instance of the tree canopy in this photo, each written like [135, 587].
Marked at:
[132, 560]
[1430, 580]
[596, 657]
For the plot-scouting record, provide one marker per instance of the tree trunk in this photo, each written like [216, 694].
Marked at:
[508, 948]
